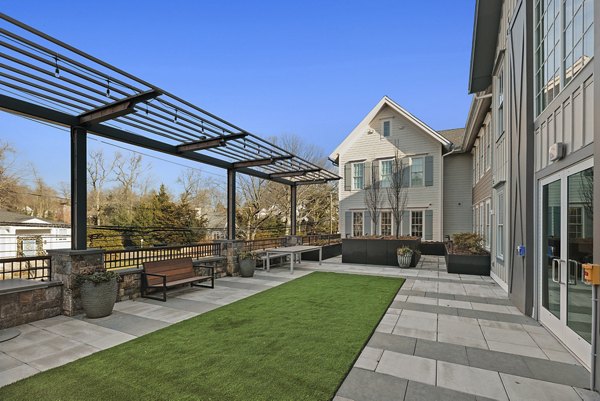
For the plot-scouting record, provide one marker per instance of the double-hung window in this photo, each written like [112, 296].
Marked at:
[416, 223]
[387, 128]
[386, 223]
[417, 173]
[385, 173]
[358, 175]
[500, 226]
[357, 224]
[488, 223]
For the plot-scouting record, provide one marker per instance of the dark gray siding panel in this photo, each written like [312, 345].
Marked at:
[428, 171]
[428, 225]
[522, 189]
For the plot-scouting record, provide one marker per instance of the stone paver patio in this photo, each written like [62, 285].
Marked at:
[457, 337]
[444, 337]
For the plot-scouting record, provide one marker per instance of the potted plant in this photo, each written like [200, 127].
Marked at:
[247, 264]
[404, 256]
[98, 292]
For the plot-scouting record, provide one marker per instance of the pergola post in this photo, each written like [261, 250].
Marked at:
[231, 204]
[78, 188]
[293, 209]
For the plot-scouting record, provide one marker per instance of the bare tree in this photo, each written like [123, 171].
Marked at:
[397, 192]
[99, 172]
[9, 180]
[373, 196]
[130, 173]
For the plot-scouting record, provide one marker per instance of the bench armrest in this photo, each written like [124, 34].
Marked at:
[164, 277]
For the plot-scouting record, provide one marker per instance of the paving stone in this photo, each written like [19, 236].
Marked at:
[522, 388]
[16, 373]
[391, 342]
[126, 323]
[416, 391]
[363, 385]
[62, 357]
[441, 351]
[470, 380]
[8, 362]
[407, 367]
[501, 317]
[425, 308]
[558, 372]
[524, 350]
[498, 361]
[368, 358]
[519, 337]
[185, 305]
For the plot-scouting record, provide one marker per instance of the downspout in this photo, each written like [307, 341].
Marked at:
[594, 331]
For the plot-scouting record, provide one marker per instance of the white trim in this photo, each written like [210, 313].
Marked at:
[353, 166]
[380, 162]
[385, 101]
[410, 216]
[422, 172]
[499, 281]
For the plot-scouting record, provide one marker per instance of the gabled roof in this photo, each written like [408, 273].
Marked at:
[454, 135]
[485, 39]
[12, 217]
[386, 101]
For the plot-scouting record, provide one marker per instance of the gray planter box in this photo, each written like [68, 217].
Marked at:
[468, 264]
[377, 251]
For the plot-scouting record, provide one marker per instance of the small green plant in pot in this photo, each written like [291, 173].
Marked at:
[404, 256]
[98, 292]
[247, 264]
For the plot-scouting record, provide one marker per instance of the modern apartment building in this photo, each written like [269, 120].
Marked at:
[531, 131]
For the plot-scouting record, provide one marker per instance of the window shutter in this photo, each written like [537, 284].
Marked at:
[347, 176]
[406, 176]
[367, 223]
[375, 171]
[428, 225]
[406, 222]
[367, 175]
[428, 171]
[348, 224]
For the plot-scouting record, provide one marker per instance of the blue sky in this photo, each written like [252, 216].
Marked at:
[310, 68]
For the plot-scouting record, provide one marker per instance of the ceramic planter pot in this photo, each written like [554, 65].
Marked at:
[404, 260]
[98, 299]
[247, 267]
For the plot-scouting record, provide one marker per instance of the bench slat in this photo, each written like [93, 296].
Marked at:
[183, 281]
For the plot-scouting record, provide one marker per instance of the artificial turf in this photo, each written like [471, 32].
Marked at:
[296, 341]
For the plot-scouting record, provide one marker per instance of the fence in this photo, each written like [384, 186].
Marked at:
[31, 268]
[118, 259]
[321, 239]
[263, 243]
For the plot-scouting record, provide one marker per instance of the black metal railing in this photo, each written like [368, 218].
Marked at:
[127, 258]
[30, 268]
[263, 243]
[321, 239]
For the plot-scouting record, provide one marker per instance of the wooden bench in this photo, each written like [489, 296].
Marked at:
[170, 273]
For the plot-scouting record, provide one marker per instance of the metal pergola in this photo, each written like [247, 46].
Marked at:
[46, 79]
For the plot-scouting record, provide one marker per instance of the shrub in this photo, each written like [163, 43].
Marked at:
[469, 243]
[404, 251]
[97, 277]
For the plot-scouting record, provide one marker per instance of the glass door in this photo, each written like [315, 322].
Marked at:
[566, 243]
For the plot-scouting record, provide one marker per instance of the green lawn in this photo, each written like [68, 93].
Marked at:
[294, 342]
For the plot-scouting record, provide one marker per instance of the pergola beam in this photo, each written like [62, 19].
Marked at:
[293, 173]
[208, 143]
[116, 109]
[311, 182]
[260, 162]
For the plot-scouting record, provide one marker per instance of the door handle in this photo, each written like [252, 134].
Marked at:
[556, 270]
[573, 265]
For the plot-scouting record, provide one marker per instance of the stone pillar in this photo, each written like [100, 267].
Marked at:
[232, 250]
[67, 264]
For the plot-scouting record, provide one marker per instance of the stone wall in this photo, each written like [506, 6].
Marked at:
[29, 305]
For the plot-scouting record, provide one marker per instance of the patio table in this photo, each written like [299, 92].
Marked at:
[293, 251]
